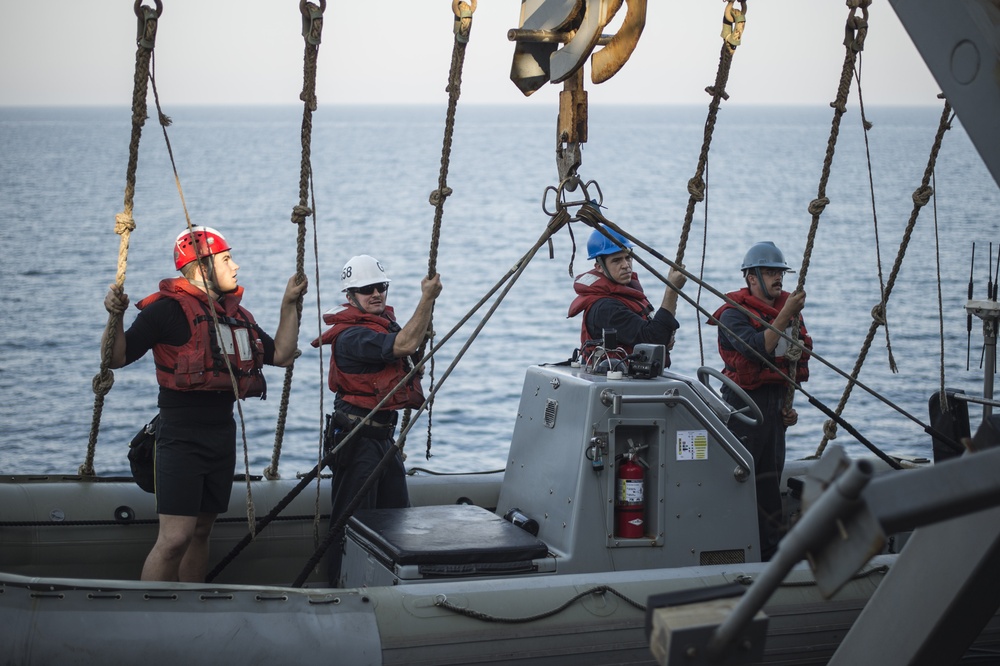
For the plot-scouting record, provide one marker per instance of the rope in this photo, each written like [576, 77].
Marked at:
[441, 601]
[462, 29]
[855, 29]
[697, 187]
[921, 196]
[124, 224]
[312, 34]
[943, 402]
[881, 315]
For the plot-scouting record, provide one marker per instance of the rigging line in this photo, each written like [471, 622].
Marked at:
[710, 288]
[558, 220]
[165, 122]
[321, 366]
[855, 32]
[968, 316]
[943, 402]
[373, 477]
[701, 268]
[696, 185]
[920, 198]
[124, 224]
[462, 28]
[866, 125]
[312, 36]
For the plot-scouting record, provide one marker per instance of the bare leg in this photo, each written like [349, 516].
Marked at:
[172, 540]
[194, 564]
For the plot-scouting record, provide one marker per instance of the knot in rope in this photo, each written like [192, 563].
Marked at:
[439, 195]
[922, 195]
[830, 429]
[124, 223]
[271, 474]
[696, 188]
[817, 206]
[793, 353]
[300, 213]
[103, 381]
[878, 314]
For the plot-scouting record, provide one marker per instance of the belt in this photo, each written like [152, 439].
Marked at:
[371, 423]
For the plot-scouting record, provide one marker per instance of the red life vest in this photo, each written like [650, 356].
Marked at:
[198, 365]
[594, 285]
[365, 390]
[745, 369]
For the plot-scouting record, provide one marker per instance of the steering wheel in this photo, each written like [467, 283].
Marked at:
[749, 413]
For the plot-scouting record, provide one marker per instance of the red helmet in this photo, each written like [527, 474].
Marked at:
[209, 242]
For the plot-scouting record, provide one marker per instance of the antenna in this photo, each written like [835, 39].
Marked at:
[968, 317]
[996, 273]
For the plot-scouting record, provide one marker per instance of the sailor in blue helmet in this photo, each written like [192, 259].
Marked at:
[743, 342]
[610, 297]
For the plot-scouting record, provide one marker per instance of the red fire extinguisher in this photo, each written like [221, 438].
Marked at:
[630, 507]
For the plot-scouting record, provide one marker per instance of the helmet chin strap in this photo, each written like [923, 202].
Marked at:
[764, 291]
[207, 283]
[604, 267]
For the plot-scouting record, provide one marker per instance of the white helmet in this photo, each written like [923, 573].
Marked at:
[362, 271]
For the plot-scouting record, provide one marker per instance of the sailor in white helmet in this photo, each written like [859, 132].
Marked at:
[371, 354]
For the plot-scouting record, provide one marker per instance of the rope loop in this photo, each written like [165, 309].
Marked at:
[145, 35]
[878, 314]
[439, 195]
[922, 195]
[856, 27]
[696, 188]
[103, 381]
[124, 223]
[818, 205]
[300, 213]
[312, 21]
[463, 19]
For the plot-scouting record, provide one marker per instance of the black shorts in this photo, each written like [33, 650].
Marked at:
[194, 467]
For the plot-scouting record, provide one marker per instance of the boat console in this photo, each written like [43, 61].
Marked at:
[612, 474]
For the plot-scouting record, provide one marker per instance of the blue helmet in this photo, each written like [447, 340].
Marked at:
[600, 245]
[764, 254]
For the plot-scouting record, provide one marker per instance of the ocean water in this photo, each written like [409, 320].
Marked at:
[62, 179]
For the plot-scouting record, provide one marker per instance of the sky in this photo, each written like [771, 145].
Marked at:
[68, 52]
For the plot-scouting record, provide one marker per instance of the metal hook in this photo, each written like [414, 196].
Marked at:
[138, 6]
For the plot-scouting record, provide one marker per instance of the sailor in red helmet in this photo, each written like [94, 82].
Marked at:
[195, 455]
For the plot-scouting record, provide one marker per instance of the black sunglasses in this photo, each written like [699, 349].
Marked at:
[369, 289]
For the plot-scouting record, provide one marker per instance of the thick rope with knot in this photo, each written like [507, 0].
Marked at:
[856, 29]
[462, 28]
[312, 35]
[124, 224]
[921, 196]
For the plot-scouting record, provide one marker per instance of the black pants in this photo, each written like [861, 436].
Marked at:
[766, 443]
[388, 492]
